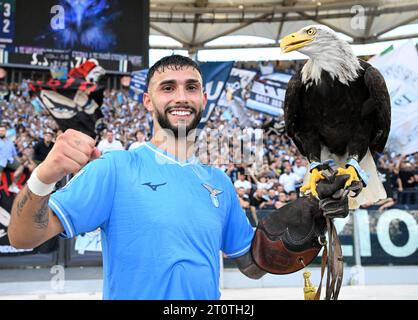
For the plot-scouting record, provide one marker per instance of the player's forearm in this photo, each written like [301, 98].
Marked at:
[29, 219]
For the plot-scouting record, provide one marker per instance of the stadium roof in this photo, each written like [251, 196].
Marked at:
[195, 23]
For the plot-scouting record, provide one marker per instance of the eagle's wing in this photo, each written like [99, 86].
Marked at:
[379, 101]
[292, 107]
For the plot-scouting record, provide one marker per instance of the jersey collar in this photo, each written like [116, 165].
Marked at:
[169, 156]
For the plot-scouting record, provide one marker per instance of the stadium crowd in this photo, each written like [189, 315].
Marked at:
[264, 185]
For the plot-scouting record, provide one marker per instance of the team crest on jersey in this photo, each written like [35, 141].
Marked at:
[213, 194]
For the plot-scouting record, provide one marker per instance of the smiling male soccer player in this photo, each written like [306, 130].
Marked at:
[163, 215]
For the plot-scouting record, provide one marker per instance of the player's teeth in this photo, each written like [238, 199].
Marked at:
[181, 113]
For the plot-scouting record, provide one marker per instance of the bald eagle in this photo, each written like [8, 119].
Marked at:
[337, 109]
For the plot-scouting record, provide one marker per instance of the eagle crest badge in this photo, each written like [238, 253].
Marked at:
[213, 194]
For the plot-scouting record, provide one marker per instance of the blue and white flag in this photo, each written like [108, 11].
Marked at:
[267, 96]
[399, 67]
[215, 76]
[238, 81]
[138, 84]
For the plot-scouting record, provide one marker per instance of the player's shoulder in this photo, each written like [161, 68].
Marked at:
[219, 175]
[121, 156]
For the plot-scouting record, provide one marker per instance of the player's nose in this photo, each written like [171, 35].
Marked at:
[181, 95]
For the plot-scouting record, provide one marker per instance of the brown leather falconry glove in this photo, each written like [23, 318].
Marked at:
[290, 238]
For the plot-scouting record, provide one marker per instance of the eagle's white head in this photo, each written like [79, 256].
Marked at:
[326, 52]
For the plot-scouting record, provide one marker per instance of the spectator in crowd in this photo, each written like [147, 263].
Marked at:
[281, 201]
[243, 182]
[273, 195]
[299, 169]
[27, 161]
[233, 171]
[140, 138]
[42, 148]
[257, 202]
[279, 188]
[385, 204]
[289, 179]
[406, 174]
[271, 200]
[109, 143]
[244, 198]
[9, 158]
[388, 177]
[391, 176]
[292, 196]
[262, 183]
[276, 167]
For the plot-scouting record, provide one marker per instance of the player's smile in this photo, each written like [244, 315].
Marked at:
[181, 112]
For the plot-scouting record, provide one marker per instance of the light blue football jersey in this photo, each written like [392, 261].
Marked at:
[163, 222]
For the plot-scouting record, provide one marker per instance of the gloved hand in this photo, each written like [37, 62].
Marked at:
[333, 196]
[297, 230]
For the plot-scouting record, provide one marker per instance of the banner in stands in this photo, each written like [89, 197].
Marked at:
[215, 76]
[388, 237]
[267, 94]
[233, 96]
[266, 68]
[400, 70]
[237, 84]
[138, 84]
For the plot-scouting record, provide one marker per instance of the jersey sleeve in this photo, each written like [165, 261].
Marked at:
[237, 232]
[85, 203]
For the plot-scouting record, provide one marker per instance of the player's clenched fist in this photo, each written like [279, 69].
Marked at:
[72, 151]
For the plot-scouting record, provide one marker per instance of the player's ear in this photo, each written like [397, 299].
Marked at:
[146, 99]
[205, 99]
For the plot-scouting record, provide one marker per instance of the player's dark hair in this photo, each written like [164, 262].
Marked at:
[174, 62]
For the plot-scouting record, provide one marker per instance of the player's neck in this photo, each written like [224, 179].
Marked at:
[181, 148]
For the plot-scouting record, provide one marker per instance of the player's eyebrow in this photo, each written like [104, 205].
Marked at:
[162, 83]
[172, 81]
[192, 81]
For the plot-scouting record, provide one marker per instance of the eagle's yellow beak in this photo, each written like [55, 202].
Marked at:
[295, 41]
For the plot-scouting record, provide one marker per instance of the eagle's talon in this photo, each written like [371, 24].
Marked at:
[351, 172]
[311, 185]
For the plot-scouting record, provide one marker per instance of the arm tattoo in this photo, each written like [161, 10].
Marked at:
[21, 203]
[41, 217]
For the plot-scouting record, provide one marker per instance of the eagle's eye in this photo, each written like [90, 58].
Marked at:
[311, 31]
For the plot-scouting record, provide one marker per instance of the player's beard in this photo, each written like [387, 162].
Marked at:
[179, 129]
